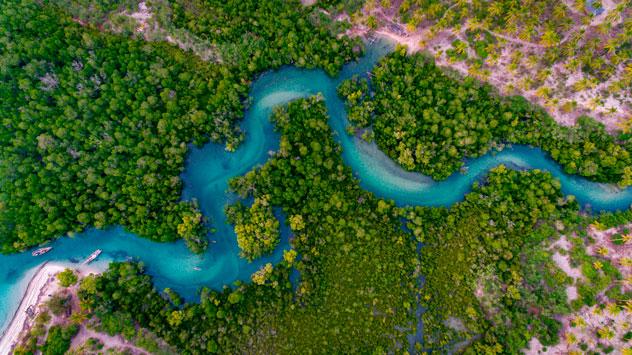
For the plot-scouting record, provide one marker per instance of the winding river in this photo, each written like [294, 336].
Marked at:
[209, 169]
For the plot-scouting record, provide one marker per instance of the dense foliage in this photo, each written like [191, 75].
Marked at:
[67, 278]
[488, 277]
[256, 227]
[258, 35]
[58, 339]
[357, 267]
[429, 121]
[95, 126]
[96, 129]
[94, 11]
[485, 269]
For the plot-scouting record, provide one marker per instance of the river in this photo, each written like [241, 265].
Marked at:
[208, 170]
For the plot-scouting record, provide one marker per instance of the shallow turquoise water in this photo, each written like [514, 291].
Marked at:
[209, 169]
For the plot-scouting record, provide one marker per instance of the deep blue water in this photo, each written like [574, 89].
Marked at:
[208, 170]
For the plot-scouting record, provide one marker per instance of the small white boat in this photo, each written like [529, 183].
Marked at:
[41, 251]
[196, 268]
[92, 257]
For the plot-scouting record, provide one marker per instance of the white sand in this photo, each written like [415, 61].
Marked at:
[44, 277]
[571, 293]
[563, 262]
[142, 16]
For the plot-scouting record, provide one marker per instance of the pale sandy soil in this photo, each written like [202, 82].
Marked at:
[142, 16]
[595, 102]
[589, 321]
[602, 239]
[563, 262]
[149, 29]
[111, 342]
[571, 293]
[41, 286]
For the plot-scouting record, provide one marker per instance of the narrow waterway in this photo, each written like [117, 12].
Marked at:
[209, 169]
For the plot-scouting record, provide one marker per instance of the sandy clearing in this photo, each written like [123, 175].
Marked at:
[111, 342]
[143, 15]
[563, 262]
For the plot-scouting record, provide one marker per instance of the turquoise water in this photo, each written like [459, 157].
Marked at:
[209, 168]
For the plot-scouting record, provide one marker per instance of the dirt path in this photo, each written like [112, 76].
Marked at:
[515, 40]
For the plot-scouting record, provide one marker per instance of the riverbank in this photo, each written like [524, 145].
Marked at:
[41, 285]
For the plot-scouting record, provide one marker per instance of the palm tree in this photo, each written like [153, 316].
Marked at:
[460, 47]
[580, 5]
[532, 61]
[593, 104]
[626, 125]
[495, 9]
[603, 251]
[526, 33]
[627, 72]
[611, 46]
[549, 38]
[572, 64]
[614, 15]
[511, 28]
[598, 265]
[560, 13]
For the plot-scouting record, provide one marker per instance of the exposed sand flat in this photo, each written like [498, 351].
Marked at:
[40, 285]
[563, 262]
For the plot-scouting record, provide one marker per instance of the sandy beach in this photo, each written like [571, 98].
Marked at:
[39, 286]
